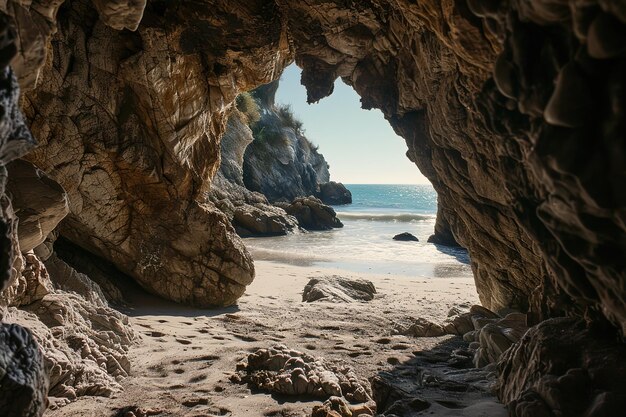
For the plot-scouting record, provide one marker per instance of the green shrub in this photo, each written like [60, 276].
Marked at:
[249, 107]
[289, 119]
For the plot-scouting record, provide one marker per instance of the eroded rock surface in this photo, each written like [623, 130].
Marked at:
[285, 371]
[136, 182]
[560, 367]
[338, 289]
[514, 110]
[23, 376]
[84, 343]
[42, 203]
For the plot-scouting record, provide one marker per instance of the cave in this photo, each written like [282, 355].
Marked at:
[113, 112]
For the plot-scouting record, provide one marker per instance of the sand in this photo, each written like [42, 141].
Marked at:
[182, 363]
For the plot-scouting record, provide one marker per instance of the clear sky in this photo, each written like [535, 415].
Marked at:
[359, 145]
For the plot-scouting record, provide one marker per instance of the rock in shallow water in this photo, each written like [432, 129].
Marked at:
[334, 193]
[312, 214]
[406, 237]
[338, 289]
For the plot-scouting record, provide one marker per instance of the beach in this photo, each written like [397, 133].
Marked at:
[184, 358]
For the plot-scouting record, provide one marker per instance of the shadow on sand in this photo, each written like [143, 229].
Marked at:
[441, 381]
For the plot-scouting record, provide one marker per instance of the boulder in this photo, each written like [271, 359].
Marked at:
[262, 220]
[334, 193]
[338, 289]
[312, 214]
[23, 377]
[405, 237]
[422, 328]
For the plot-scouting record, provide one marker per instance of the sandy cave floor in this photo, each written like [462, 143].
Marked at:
[182, 364]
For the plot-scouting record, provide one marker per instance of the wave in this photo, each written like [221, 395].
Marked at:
[381, 217]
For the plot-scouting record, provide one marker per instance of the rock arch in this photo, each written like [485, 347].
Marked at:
[514, 110]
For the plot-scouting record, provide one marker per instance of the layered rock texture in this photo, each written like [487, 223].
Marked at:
[129, 124]
[514, 110]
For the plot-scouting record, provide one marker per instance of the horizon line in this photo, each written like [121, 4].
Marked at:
[384, 183]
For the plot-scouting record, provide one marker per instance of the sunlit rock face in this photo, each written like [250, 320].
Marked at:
[281, 162]
[129, 124]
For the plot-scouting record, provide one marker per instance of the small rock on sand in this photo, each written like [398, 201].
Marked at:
[338, 289]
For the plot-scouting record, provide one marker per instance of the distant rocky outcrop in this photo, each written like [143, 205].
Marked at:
[334, 193]
[281, 163]
[270, 172]
[250, 212]
[312, 214]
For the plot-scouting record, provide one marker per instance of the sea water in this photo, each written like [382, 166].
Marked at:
[365, 243]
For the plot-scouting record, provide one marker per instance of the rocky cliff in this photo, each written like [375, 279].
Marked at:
[281, 162]
[265, 158]
[513, 109]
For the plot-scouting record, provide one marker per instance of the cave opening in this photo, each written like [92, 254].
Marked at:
[298, 150]
[514, 111]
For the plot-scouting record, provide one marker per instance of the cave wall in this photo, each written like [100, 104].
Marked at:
[129, 124]
[513, 109]
[482, 92]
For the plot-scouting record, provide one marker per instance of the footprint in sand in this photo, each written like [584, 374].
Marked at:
[246, 338]
[194, 402]
[197, 378]
[401, 346]
[205, 358]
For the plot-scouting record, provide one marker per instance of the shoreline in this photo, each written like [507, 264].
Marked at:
[183, 361]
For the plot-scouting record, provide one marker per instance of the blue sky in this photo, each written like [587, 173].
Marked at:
[359, 145]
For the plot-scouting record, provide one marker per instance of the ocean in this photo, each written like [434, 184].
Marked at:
[365, 243]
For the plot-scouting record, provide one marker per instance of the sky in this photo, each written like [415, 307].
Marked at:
[359, 145]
